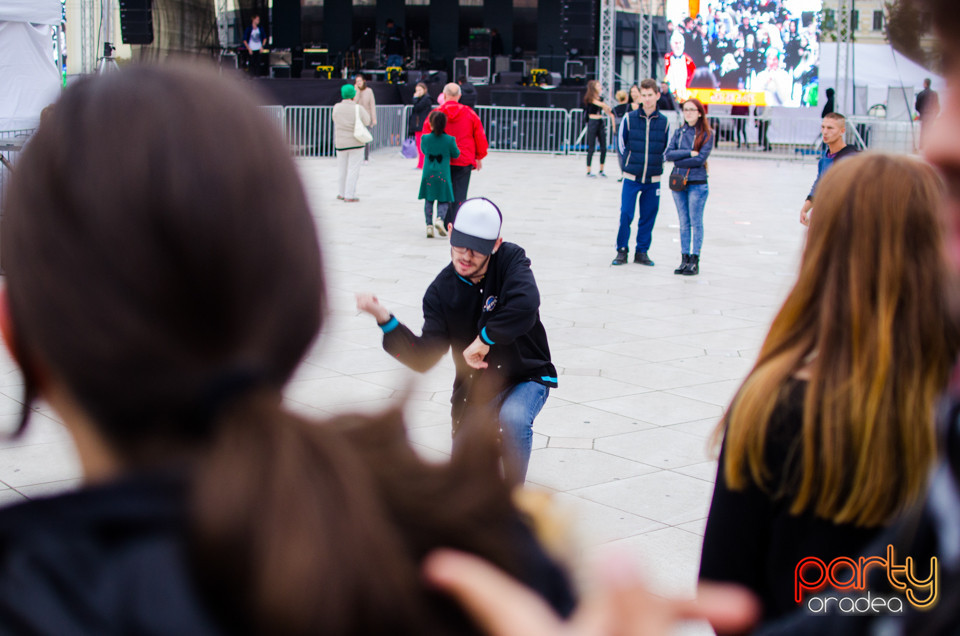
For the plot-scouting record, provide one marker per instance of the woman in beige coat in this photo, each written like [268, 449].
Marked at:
[366, 99]
[349, 150]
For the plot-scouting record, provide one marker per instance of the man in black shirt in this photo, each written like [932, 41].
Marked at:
[484, 306]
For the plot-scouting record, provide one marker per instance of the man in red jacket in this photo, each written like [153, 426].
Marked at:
[464, 124]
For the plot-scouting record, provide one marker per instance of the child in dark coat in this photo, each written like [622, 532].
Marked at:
[435, 185]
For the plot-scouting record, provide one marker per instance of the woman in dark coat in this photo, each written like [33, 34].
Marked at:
[422, 105]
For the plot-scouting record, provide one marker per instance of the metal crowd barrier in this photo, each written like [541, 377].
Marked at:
[517, 129]
[577, 133]
[309, 131]
[391, 126]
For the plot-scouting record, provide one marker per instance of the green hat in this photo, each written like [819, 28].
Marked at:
[347, 91]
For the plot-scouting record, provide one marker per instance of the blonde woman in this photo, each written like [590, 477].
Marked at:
[369, 103]
[831, 435]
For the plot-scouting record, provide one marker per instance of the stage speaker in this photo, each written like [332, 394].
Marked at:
[414, 76]
[286, 24]
[567, 100]
[505, 98]
[535, 99]
[509, 78]
[315, 57]
[136, 21]
[280, 58]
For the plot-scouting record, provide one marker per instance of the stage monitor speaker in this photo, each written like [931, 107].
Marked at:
[414, 76]
[518, 66]
[575, 69]
[437, 77]
[508, 78]
[315, 57]
[280, 58]
[478, 70]
[136, 21]
[535, 99]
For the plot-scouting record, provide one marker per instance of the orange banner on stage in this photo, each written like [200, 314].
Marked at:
[726, 96]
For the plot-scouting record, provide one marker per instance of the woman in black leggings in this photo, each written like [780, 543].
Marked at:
[596, 111]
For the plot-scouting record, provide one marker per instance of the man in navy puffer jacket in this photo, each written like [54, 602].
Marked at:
[641, 143]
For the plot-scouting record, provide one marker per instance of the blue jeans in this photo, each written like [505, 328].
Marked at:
[690, 204]
[649, 194]
[519, 405]
[428, 211]
[394, 60]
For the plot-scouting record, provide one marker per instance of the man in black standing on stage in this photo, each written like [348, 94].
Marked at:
[253, 43]
[394, 48]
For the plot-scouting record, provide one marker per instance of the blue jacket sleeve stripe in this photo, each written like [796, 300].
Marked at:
[485, 337]
[390, 325]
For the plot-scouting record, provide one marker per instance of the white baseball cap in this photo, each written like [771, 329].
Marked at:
[477, 225]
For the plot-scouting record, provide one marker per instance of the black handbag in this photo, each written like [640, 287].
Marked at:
[678, 183]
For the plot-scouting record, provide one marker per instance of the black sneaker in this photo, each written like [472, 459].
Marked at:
[641, 258]
[621, 258]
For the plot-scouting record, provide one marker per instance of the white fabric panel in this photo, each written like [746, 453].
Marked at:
[30, 77]
[32, 11]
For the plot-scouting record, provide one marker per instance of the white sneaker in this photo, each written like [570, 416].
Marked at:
[430, 231]
[438, 223]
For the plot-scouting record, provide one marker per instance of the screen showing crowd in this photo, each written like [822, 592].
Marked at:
[746, 52]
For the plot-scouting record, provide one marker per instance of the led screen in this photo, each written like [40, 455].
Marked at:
[744, 52]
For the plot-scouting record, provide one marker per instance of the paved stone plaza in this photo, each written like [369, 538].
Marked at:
[647, 360]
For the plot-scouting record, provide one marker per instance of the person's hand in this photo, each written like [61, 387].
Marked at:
[694, 153]
[369, 304]
[805, 212]
[476, 352]
[478, 165]
[620, 605]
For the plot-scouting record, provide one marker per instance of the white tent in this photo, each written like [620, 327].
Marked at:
[29, 78]
[880, 75]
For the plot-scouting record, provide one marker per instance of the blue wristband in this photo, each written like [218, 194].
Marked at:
[390, 325]
[485, 337]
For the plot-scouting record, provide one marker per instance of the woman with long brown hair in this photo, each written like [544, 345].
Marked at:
[159, 303]
[689, 149]
[596, 111]
[831, 435]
